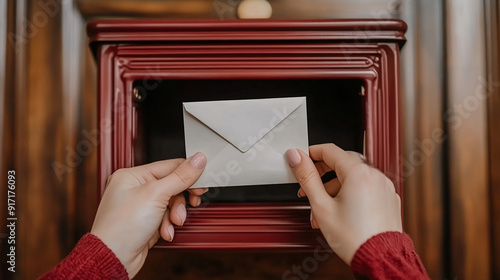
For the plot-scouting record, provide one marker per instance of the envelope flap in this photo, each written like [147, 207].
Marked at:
[243, 122]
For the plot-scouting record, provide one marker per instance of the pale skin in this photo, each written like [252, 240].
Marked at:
[360, 203]
[142, 203]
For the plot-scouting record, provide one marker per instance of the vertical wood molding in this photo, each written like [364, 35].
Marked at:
[72, 47]
[80, 91]
[423, 68]
[87, 175]
[493, 58]
[409, 121]
[467, 127]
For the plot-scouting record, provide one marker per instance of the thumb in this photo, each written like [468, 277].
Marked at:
[183, 177]
[308, 177]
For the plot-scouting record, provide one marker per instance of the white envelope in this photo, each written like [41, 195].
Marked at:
[245, 140]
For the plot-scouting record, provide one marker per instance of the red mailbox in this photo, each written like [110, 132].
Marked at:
[347, 69]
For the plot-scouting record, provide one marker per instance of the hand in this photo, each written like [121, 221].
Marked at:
[360, 203]
[141, 203]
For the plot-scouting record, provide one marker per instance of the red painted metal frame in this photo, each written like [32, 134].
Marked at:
[157, 50]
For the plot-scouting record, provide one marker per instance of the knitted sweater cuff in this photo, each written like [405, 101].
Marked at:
[388, 255]
[90, 259]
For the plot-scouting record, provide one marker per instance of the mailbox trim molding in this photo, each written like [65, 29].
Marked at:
[269, 50]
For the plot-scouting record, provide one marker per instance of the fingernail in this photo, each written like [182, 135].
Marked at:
[300, 193]
[293, 157]
[171, 231]
[181, 212]
[206, 190]
[199, 160]
[311, 220]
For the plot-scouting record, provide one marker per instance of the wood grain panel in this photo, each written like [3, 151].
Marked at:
[46, 224]
[7, 25]
[374, 9]
[467, 127]
[493, 89]
[423, 80]
[13, 116]
[226, 9]
[150, 8]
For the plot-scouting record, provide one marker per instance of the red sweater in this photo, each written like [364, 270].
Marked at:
[90, 259]
[388, 255]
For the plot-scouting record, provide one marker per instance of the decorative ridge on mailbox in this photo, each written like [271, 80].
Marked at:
[340, 30]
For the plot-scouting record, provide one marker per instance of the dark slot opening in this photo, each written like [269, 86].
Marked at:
[335, 114]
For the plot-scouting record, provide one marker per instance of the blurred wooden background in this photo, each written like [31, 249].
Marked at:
[451, 80]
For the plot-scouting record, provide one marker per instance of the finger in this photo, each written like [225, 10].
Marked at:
[332, 187]
[301, 193]
[322, 168]
[310, 182]
[178, 212]
[199, 191]
[357, 156]
[194, 200]
[183, 177]
[159, 169]
[194, 196]
[167, 231]
[339, 160]
[314, 223]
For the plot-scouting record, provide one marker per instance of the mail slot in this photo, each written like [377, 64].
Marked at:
[335, 113]
[348, 71]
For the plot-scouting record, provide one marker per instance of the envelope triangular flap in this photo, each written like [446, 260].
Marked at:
[243, 122]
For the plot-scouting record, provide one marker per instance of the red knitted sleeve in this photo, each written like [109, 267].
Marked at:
[388, 255]
[90, 259]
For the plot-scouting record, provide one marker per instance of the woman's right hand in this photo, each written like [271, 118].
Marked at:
[360, 203]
